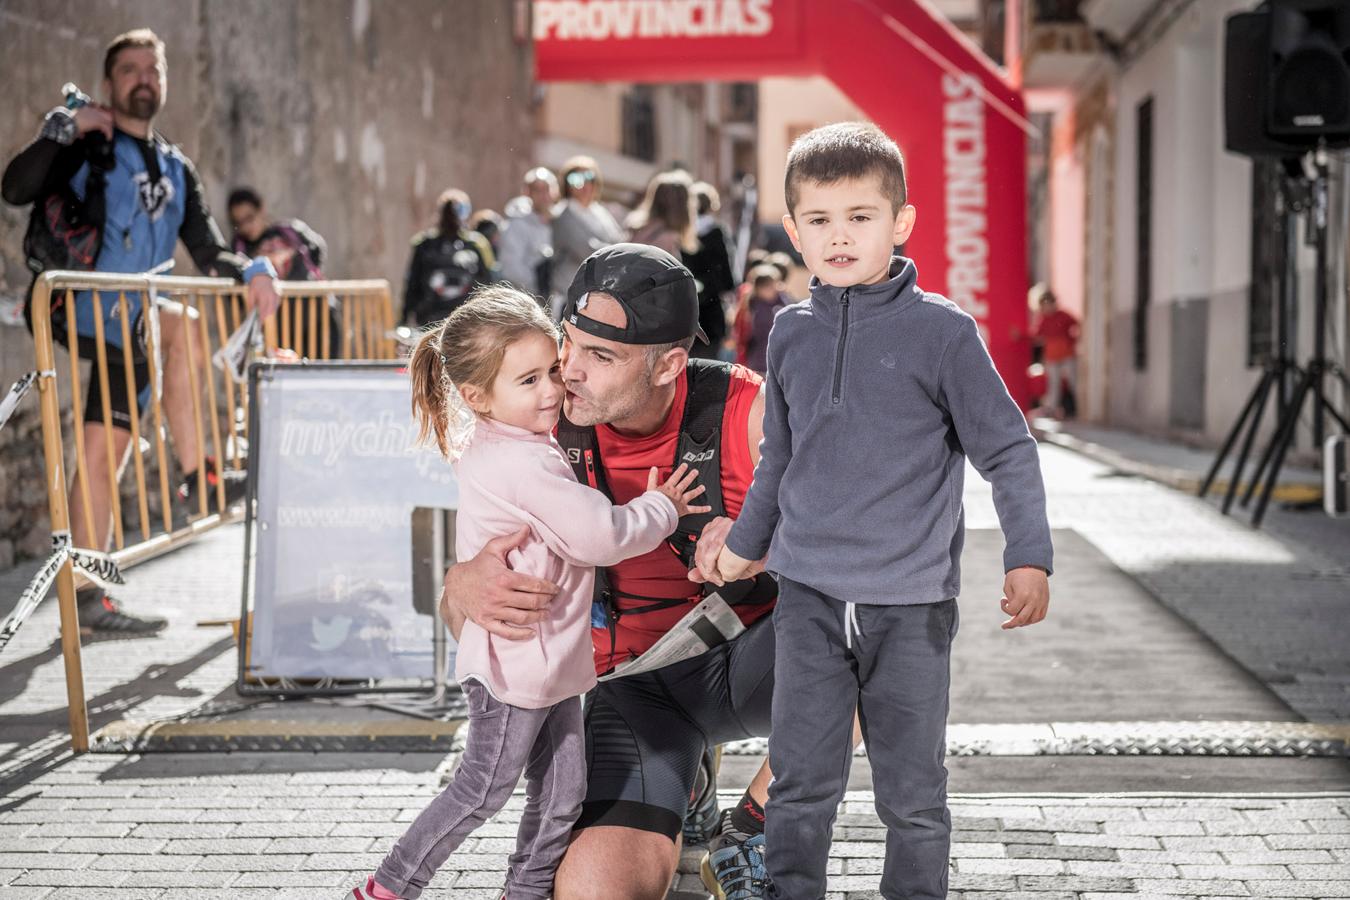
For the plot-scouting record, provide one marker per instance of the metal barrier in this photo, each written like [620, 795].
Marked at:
[181, 324]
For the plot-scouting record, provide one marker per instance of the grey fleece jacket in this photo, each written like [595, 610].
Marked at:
[874, 397]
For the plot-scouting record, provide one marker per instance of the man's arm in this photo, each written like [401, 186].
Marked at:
[54, 156]
[207, 247]
[502, 602]
[202, 237]
[754, 425]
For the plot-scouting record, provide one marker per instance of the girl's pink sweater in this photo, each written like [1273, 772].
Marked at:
[509, 477]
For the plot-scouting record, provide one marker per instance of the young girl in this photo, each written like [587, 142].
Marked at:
[486, 385]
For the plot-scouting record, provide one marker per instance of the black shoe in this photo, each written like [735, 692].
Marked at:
[700, 824]
[101, 616]
[236, 487]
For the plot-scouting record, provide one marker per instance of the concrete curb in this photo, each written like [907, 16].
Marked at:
[1183, 480]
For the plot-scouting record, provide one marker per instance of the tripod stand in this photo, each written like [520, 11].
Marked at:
[1311, 378]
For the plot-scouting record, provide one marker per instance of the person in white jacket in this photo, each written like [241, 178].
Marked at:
[527, 241]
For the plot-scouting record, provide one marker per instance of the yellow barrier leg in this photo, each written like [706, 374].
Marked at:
[77, 713]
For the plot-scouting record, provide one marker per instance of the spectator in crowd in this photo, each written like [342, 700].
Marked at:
[754, 317]
[582, 224]
[488, 223]
[711, 265]
[527, 240]
[665, 218]
[448, 261]
[1056, 333]
[754, 258]
[137, 196]
[783, 263]
[296, 250]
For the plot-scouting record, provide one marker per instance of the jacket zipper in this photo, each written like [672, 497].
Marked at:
[839, 353]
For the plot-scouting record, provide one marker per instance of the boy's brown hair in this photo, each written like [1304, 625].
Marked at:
[137, 38]
[846, 150]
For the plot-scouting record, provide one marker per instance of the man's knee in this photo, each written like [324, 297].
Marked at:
[608, 862]
[96, 452]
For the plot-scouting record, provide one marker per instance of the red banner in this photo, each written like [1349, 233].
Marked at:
[961, 126]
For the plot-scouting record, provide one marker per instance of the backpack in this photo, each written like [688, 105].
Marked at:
[65, 232]
[700, 447]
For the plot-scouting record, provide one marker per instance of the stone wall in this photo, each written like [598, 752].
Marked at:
[350, 114]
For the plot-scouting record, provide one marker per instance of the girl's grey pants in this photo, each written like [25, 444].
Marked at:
[503, 741]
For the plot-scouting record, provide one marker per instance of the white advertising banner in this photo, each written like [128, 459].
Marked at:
[338, 478]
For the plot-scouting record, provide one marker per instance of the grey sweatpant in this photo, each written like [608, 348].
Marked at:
[503, 740]
[891, 663]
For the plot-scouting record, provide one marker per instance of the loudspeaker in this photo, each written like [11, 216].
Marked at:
[1287, 78]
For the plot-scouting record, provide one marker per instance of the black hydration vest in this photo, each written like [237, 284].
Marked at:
[700, 446]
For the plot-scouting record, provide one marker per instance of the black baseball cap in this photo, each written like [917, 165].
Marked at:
[657, 293]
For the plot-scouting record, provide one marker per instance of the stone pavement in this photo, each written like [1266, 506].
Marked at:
[98, 829]
[1236, 603]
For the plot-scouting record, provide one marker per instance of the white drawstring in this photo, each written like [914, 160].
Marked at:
[851, 624]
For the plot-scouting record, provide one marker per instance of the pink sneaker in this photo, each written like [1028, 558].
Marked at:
[372, 891]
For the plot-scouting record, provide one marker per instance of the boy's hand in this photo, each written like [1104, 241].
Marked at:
[709, 545]
[1026, 596]
[731, 567]
[677, 489]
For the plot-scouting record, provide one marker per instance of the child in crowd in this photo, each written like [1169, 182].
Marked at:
[754, 315]
[876, 394]
[1057, 335]
[486, 385]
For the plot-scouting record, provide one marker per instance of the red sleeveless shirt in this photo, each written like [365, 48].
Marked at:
[660, 574]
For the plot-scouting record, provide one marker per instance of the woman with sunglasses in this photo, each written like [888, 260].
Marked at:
[582, 225]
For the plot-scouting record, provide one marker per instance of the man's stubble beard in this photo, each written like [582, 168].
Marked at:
[624, 406]
[142, 108]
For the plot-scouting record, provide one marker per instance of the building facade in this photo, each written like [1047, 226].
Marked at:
[1167, 246]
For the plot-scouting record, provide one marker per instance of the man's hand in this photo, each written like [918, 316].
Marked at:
[94, 118]
[262, 295]
[1026, 596]
[500, 601]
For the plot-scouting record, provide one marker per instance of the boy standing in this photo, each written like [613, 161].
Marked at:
[876, 393]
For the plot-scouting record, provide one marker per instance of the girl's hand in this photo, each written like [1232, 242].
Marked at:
[677, 489]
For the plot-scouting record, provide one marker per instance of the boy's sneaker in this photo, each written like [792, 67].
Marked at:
[733, 867]
[700, 823]
[102, 616]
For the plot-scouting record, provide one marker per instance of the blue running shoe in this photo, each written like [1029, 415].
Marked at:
[733, 867]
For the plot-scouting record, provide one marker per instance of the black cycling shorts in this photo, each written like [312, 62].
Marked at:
[646, 733]
[119, 400]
